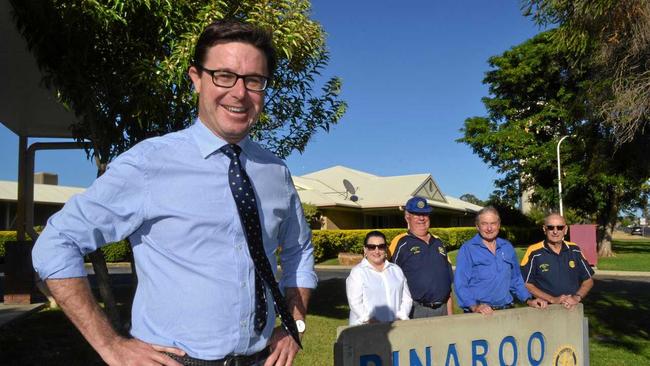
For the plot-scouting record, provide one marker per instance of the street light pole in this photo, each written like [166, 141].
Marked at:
[559, 174]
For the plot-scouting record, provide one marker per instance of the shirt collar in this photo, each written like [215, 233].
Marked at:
[209, 143]
[565, 246]
[477, 240]
[365, 263]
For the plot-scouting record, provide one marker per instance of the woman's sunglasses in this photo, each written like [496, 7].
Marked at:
[373, 246]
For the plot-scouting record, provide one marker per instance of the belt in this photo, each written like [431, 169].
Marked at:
[432, 305]
[239, 360]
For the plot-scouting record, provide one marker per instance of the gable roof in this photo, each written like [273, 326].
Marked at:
[326, 188]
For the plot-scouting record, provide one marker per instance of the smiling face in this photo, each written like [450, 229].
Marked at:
[555, 235]
[230, 113]
[488, 225]
[418, 224]
[375, 255]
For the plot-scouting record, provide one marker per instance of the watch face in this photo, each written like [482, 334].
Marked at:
[300, 325]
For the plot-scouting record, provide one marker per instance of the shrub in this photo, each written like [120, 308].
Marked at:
[328, 243]
[117, 252]
[4, 237]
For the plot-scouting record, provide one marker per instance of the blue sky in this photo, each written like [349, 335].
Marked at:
[412, 73]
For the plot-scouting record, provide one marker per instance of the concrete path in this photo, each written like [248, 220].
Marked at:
[9, 313]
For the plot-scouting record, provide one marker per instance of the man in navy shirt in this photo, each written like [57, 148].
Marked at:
[424, 261]
[487, 273]
[555, 270]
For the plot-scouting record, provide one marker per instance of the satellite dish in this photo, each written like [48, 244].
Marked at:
[349, 188]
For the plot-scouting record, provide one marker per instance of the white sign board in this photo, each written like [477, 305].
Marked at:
[524, 336]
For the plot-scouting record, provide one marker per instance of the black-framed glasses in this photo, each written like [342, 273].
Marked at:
[552, 227]
[375, 246]
[228, 79]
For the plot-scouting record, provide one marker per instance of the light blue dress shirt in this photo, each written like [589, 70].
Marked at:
[485, 278]
[170, 196]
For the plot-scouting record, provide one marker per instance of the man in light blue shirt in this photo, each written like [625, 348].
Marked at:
[487, 270]
[171, 197]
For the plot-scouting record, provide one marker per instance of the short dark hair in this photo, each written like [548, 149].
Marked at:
[374, 233]
[228, 30]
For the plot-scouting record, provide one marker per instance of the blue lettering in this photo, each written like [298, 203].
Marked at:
[451, 352]
[366, 360]
[511, 340]
[414, 360]
[395, 358]
[540, 337]
[479, 357]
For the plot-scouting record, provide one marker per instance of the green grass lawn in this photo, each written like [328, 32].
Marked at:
[631, 255]
[618, 312]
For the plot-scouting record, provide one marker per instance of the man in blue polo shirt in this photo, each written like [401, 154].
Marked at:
[424, 261]
[555, 270]
[487, 273]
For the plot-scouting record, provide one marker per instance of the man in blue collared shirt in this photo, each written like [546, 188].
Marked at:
[487, 270]
[171, 197]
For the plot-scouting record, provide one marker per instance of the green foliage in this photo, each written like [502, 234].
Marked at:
[328, 243]
[468, 197]
[117, 252]
[122, 67]
[312, 215]
[538, 94]
[6, 236]
[612, 37]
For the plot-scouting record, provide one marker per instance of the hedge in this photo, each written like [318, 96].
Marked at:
[115, 252]
[329, 243]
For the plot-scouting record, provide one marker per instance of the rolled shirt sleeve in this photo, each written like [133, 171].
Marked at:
[297, 253]
[107, 212]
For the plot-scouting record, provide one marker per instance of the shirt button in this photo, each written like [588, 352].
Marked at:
[243, 323]
[238, 246]
[243, 284]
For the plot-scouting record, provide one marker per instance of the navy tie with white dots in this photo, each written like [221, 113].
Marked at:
[244, 195]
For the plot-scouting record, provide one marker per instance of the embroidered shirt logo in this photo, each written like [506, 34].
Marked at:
[544, 267]
[415, 250]
[572, 264]
[442, 250]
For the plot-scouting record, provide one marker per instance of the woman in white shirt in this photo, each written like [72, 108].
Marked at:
[377, 289]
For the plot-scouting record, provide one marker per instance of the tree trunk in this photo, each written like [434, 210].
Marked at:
[105, 289]
[605, 243]
[103, 278]
[607, 223]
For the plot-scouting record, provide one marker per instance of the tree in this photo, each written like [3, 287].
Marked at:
[121, 66]
[614, 38]
[312, 215]
[539, 93]
[468, 197]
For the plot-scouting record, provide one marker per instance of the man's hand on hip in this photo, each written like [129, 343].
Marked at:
[283, 348]
[134, 352]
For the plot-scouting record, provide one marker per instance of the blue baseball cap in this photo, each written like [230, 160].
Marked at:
[418, 205]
